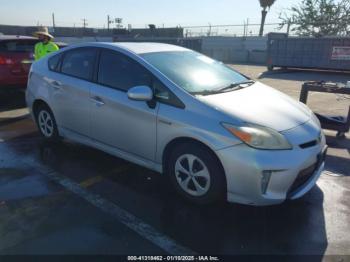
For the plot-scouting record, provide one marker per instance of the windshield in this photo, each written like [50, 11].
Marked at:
[194, 72]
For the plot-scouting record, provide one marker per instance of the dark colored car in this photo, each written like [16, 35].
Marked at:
[16, 58]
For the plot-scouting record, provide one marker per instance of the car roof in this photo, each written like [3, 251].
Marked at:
[16, 37]
[146, 47]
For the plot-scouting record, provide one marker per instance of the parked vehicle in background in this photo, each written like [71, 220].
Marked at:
[16, 58]
[214, 132]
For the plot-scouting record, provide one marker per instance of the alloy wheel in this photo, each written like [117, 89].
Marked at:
[192, 175]
[46, 123]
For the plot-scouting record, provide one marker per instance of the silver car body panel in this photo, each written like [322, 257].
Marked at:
[130, 123]
[255, 103]
[133, 131]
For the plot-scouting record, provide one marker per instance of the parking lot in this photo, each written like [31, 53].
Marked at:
[66, 198]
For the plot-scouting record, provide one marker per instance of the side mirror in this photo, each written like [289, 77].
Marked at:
[140, 93]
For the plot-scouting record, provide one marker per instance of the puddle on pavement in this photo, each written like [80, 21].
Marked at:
[17, 184]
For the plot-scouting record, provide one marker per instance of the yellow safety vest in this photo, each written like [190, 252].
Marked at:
[42, 49]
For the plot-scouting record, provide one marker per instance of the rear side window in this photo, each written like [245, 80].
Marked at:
[79, 63]
[120, 72]
[17, 46]
[54, 62]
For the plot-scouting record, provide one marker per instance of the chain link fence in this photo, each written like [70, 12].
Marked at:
[245, 29]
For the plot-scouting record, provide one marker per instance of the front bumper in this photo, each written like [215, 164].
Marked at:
[245, 168]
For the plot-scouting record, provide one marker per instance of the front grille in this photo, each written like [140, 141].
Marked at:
[309, 144]
[303, 177]
[307, 173]
[312, 143]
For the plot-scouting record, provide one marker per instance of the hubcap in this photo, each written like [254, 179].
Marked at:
[192, 175]
[45, 123]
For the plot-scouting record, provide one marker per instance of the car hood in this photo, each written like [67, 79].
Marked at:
[261, 105]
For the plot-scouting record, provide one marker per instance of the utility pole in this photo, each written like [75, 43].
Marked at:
[247, 31]
[84, 22]
[108, 22]
[244, 28]
[84, 25]
[53, 21]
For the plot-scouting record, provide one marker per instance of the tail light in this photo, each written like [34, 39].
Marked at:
[6, 61]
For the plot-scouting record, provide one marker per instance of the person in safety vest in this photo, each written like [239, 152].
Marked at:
[45, 46]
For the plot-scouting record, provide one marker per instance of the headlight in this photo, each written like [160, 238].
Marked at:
[259, 137]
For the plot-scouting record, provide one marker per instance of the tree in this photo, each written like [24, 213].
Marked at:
[319, 18]
[265, 4]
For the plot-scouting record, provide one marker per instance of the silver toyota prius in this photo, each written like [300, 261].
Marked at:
[215, 133]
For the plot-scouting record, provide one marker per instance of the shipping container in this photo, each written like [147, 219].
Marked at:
[329, 53]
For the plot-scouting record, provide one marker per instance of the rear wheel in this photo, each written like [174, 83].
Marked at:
[46, 123]
[196, 174]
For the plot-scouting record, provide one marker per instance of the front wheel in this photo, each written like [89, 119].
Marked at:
[196, 174]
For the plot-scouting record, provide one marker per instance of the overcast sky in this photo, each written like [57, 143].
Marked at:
[137, 12]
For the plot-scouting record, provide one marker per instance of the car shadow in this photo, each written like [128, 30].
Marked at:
[292, 228]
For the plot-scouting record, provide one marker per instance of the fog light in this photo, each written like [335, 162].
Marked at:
[266, 175]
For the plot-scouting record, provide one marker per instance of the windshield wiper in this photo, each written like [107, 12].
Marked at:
[205, 92]
[235, 86]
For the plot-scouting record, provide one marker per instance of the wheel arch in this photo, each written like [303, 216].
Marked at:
[192, 141]
[186, 140]
[36, 105]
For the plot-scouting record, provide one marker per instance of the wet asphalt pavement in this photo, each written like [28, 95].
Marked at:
[38, 215]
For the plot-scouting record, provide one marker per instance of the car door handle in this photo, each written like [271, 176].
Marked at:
[98, 101]
[56, 84]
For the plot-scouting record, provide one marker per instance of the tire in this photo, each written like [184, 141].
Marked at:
[46, 123]
[208, 187]
[270, 68]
